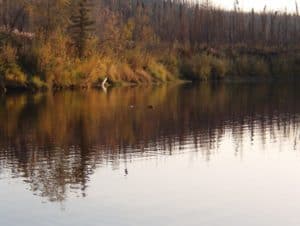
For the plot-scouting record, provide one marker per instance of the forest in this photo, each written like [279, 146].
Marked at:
[56, 44]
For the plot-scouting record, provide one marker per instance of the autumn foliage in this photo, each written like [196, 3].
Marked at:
[64, 43]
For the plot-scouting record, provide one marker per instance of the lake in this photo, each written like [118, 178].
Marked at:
[210, 154]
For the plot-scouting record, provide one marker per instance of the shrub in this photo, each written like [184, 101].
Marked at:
[136, 59]
[13, 76]
[112, 73]
[143, 76]
[158, 71]
[204, 67]
[88, 71]
[220, 68]
[172, 64]
[286, 66]
[37, 83]
[240, 66]
[260, 68]
[10, 72]
[126, 73]
[252, 66]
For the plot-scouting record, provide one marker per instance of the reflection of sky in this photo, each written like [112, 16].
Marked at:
[259, 4]
[257, 184]
[235, 157]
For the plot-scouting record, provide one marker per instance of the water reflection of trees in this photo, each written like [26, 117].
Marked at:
[56, 140]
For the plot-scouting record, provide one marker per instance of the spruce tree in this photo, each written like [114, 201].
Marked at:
[81, 26]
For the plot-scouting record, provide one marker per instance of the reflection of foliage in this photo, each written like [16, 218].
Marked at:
[56, 140]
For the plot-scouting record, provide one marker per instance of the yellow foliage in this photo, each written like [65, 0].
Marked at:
[128, 30]
[158, 71]
[112, 73]
[126, 73]
[8, 54]
[15, 77]
[37, 83]
[11, 73]
[136, 59]
[143, 76]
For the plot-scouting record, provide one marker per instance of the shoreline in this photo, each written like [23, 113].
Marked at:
[231, 80]
[222, 64]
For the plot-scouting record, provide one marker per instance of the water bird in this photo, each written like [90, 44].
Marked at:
[103, 85]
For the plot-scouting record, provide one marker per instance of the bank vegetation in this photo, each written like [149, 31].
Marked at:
[78, 43]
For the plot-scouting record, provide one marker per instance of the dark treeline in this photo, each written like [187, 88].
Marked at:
[192, 23]
[57, 42]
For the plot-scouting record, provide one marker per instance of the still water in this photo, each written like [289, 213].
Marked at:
[210, 154]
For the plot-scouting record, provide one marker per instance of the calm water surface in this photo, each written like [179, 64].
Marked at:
[210, 155]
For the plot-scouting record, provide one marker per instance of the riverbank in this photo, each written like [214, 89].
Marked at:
[46, 70]
[143, 42]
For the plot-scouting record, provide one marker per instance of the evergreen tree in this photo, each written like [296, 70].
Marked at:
[81, 26]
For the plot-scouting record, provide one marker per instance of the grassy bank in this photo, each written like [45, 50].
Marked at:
[50, 66]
